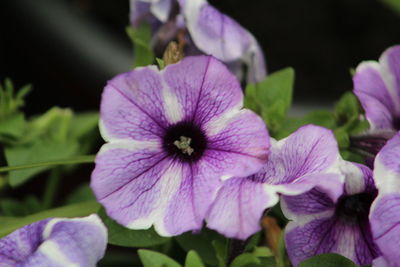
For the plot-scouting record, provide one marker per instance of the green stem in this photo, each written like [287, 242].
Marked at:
[53, 181]
[76, 160]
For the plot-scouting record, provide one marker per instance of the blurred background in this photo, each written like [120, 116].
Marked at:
[68, 49]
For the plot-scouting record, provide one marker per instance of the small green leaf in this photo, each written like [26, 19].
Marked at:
[77, 210]
[155, 259]
[252, 242]
[161, 63]
[122, 236]
[327, 260]
[273, 96]
[12, 127]
[193, 260]
[202, 244]
[80, 194]
[83, 124]
[246, 260]
[37, 152]
[221, 251]
[141, 39]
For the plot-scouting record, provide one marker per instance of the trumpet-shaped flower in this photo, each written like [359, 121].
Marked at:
[172, 135]
[385, 211]
[327, 223]
[306, 159]
[206, 31]
[79, 242]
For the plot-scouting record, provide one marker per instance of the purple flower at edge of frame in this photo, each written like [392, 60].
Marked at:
[385, 211]
[306, 159]
[79, 242]
[377, 86]
[172, 136]
[322, 224]
[207, 31]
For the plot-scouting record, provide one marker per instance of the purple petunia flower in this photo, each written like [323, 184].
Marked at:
[172, 136]
[79, 242]
[306, 159]
[385, 211]
[327, 223]
[206, 30]
[377, 86]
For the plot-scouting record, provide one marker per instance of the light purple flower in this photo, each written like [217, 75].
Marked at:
[306, 159]
[377, 86]
[385, 211]
[172, 136]
[323, 222]
[56, 242]
[208, 31]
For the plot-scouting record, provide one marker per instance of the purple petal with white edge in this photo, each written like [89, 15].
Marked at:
[386, 167]
[188, 207]
[137, 105]
[238, 143]
[150, 10]
[322, 233]
[238, 208]
[204, 87]
[219, 35]
[56, 242]
[377, 86]
[311, 149]
[385, 226]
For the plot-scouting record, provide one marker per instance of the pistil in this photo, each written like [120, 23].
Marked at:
[184, 145]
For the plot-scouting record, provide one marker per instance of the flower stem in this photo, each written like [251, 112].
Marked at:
[53, 182]
[75, 160]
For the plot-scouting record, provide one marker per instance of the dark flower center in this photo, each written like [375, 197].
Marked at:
[185, 141]
[354, 208]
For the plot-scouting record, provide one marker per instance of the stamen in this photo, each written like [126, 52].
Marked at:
[184, 145]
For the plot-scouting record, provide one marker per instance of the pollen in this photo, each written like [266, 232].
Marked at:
[184, 145]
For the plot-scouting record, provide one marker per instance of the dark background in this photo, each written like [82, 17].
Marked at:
[68, 48]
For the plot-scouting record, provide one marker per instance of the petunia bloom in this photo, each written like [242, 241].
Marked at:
[385, 212]
[323, 222]
[377, 86]
[206, 30]
[79, 242]
[306, 159]
[172, 136]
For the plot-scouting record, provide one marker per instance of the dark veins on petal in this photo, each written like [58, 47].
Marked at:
[177, 145]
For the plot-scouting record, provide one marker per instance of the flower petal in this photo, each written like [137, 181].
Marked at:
[188, 207]
[237, 144]
[77, 242]
[238, 208]
[311, 149]
[137, 105]
[386, 167]
[324, 234]
[204, 87]
[385, 224]
[219, 35]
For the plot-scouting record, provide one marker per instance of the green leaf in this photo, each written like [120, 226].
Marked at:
[327, 260]
[10, 103]
[83, 124]
[155, 259]
[273, 96]
[12, 207]
[193, 260]
[80, 194]
[394, 4]
[122, 236]
[252, 242]
[202, 244]
[141, 39]
[221, 251]
[77, 210]
[319, 117]
[246, 260]
[161, 63]
[40, 151]
[12, 127]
